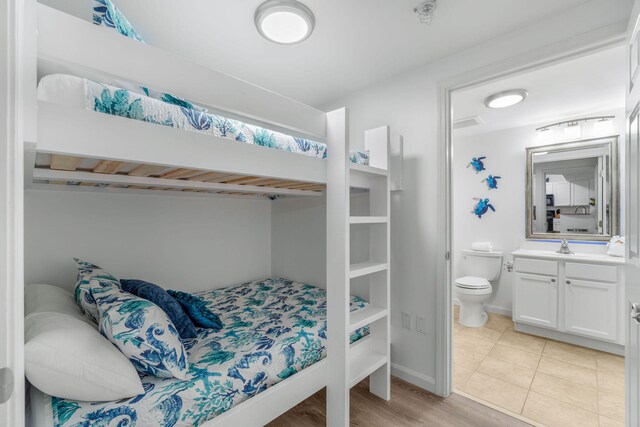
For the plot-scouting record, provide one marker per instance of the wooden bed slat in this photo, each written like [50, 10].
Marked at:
[147, 170]
[207, 176]
[222, 178]
[109, 166]
[64, 163]
[181, 174]
[69, 164]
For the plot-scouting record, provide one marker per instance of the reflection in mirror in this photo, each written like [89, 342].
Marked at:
[572, 190]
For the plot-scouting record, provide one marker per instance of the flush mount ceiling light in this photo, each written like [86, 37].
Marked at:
[284, 21]
[506, 99]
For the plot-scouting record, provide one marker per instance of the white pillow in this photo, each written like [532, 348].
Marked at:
[41, 298]
[67, 358]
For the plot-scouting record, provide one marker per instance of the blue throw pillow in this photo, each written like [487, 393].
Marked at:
[197, 309]
[162, 299]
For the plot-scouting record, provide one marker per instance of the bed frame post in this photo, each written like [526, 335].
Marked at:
[338, 263]
[378, 141]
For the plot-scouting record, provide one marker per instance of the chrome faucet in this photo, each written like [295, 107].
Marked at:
[582, 207]
[564, 248]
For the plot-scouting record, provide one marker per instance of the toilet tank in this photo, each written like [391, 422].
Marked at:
[482, 264]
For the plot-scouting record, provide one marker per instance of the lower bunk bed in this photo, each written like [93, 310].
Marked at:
[273, 329]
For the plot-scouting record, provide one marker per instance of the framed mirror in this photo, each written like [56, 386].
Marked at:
[573, 191]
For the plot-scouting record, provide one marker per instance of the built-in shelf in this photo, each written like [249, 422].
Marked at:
[366, 316]
[368, 169]
[364, 268]
[369, 220]
[364, 365]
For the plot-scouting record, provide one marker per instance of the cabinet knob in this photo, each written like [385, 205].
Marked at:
[568, 282]
[553, 280]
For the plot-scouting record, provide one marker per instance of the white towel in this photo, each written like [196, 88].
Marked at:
[482, 246]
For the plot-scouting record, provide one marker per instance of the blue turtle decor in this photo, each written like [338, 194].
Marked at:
[477, 164]
[492, 182]
[482, 207]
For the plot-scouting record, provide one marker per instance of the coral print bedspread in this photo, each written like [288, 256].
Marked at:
[140, 103]
[272, 329]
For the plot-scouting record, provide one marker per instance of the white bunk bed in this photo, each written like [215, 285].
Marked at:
[98, 152]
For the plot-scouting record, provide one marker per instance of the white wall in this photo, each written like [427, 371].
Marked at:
[298, 242]
[505, 152]
[408, 103]
[189, 243]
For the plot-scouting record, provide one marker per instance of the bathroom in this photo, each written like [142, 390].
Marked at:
[542, 337]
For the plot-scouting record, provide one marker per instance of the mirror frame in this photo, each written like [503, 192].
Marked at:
[614, 188]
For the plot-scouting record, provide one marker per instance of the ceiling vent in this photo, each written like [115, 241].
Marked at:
[467, 122]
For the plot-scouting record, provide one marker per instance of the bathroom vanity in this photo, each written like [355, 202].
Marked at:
[576, 298]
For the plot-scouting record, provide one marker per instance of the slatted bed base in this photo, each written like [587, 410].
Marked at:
[84, 172]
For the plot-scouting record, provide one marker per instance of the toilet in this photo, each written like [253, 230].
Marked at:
[472, 290]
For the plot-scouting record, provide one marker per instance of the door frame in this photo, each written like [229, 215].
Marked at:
[530, 61]
[12, 80]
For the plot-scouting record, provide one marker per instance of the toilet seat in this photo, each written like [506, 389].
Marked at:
[470, 282]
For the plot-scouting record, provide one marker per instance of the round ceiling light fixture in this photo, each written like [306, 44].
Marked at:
[284, 21]
[506, 99]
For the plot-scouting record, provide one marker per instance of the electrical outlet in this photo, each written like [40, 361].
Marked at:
[421, 324]
[406, 320]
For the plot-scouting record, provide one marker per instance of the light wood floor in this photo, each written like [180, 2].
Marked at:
[552, 383]
[409, 406]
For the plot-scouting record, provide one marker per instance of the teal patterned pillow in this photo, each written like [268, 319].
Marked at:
[141, 330]
[87, 272]
[107, 14]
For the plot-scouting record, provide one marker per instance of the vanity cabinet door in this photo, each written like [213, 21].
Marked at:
[536, 300]
[591, 309]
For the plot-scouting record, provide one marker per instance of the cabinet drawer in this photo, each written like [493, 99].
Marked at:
[536, 266]
[602, 273]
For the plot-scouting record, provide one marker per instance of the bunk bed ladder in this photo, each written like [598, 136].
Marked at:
[370, 356]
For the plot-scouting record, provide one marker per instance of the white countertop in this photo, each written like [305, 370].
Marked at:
[580, 257]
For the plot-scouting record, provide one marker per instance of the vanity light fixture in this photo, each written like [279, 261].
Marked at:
[284, 21]
[573, 130]
[603, 126]
[506, 99]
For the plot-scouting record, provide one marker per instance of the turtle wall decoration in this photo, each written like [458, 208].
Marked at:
[482, 207]
[477, 164]
[492, 182]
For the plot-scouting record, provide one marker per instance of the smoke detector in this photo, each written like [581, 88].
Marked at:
[425, 10]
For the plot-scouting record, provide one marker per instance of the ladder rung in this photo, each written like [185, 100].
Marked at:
[366, 316]
[368, 169]
[365, 268]
[364, 365]
[369, 220]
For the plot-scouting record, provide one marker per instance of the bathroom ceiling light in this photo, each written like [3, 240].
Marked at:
[505, 99]
[284, 21]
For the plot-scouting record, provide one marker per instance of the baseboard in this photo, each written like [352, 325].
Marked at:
[416, 378]
[491, 309]
[499, 310]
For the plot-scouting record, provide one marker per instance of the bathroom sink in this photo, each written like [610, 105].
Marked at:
[580, 256]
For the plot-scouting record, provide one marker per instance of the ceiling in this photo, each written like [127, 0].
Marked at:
[568, 90]
[355, 43]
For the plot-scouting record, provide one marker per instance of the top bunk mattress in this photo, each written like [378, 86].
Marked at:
[129, 101]
[272, 329]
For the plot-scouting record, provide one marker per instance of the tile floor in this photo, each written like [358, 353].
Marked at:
[549, 382]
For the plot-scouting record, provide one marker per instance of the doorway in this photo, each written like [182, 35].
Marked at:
[538, 377]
